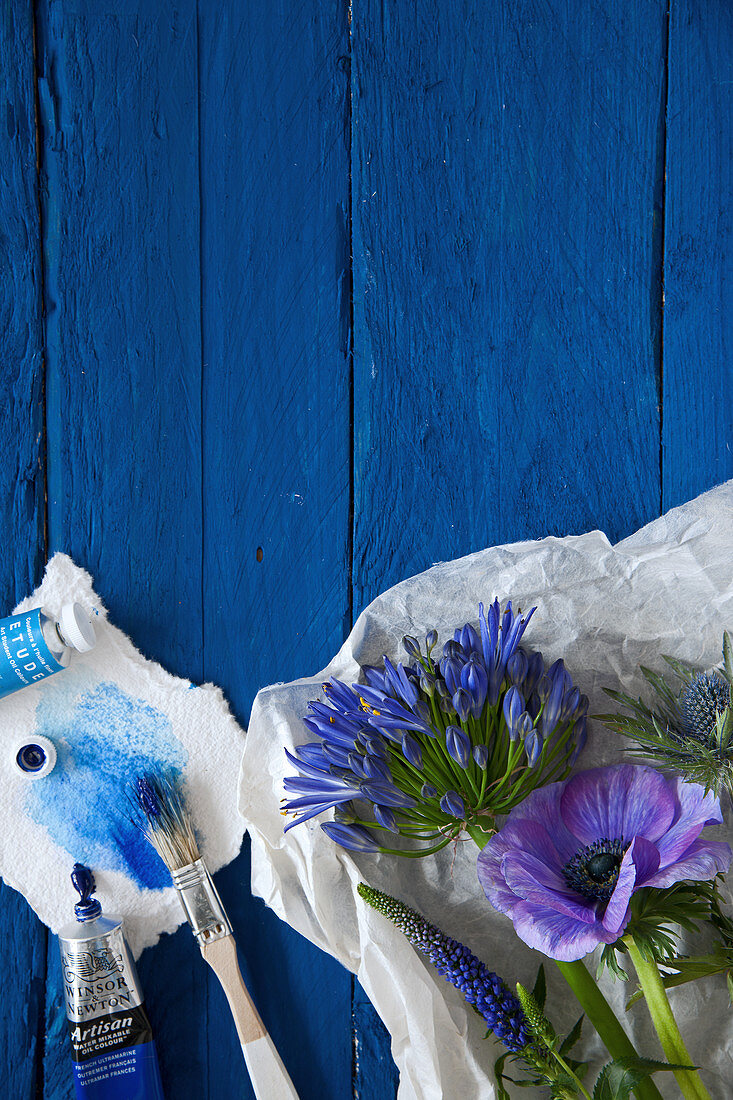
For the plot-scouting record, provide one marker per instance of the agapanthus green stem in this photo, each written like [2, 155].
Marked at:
[603, 1019]
[660, 1011]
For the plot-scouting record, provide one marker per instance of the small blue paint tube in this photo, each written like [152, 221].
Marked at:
[112, 1043]
[34, 645]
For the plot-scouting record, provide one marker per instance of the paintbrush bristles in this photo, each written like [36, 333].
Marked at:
[167, 824]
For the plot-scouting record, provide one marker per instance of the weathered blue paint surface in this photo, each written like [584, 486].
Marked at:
[299, 298]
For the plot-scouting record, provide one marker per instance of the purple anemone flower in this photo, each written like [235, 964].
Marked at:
[569, 858]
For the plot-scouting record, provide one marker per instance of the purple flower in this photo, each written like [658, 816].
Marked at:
[569, 858]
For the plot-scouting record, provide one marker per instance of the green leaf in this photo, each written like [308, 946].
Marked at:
[729, 982]
[540, 988]
[727, 658]
[572, 1037]
[617, 1079]
[501, 1092]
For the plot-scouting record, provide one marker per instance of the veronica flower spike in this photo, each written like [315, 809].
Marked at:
[487, 995]
[441, 745]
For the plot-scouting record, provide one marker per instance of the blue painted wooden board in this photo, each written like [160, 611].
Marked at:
[299, 298]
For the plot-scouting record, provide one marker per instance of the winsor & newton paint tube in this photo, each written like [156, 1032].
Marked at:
[112, 1043]
[34, 645]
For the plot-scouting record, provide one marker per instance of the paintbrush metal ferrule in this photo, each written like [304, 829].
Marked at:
[201, 903]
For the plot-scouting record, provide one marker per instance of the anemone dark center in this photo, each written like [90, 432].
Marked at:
[593, 870]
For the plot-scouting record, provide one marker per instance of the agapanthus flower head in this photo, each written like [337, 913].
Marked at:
[566, 863]
[689, 726]
[483, 990]
[442, 744]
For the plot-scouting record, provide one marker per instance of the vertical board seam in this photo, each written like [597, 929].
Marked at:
[41, 267]
[662, 249]
[350, 276]
[352, 432]
[40, 1074]
[202, 665]
[199, 168]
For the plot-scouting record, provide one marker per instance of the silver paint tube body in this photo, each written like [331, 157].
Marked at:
[112, 1043]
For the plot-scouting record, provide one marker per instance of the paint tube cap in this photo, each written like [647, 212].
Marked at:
[87, 908]
[34, 757]
[76, 627]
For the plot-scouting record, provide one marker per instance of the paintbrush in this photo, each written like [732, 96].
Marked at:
[167, 825]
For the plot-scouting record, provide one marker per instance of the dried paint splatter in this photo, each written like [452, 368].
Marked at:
[103, 740]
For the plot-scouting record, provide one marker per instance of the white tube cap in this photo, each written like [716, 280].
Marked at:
[76, 627]
[34, 757]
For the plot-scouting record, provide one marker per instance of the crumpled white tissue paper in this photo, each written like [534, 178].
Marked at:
[668, 589]
[111, 714]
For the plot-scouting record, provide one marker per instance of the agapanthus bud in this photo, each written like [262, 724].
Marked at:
[468, 639]
[356, 763]
[442, 689]
[525, 725]
[411, 646]
[376, 768]
[428, 791]
[386, 818]
[411, 751]
[452, 804]
[544, 687]
[458, 745]
[431, 640]
[481, 755]
[427, 683]
[569, 704]
[344, 814]
[533, 746]
[387, 795]
[551, 711]
[513, 707]
[535, 671]
[475, 680]
[450, 670]
[353, 837]
[517, 666]
[462, 701]
[581, 736]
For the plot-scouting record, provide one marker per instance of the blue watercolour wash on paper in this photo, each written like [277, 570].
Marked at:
[104, 738]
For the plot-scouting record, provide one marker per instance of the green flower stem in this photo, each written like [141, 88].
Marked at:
[598, 1010]
[573, 1076]
[601, 1015]
[672, 1042]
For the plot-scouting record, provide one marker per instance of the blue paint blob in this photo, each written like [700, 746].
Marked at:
[103, 739]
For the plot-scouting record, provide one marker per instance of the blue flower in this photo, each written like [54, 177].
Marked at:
[483, 990]
[478, 725]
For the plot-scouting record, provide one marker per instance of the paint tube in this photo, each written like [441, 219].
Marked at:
[34, 645]
[112, 1043]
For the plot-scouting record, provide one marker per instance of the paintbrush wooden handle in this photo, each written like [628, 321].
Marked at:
[268, 1075]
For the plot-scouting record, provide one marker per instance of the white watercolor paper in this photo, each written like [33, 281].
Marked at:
[605, 609]
[111, 714]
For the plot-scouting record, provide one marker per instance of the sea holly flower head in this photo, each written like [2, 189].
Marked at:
[441, 744]
[568, 860]
[689, 727]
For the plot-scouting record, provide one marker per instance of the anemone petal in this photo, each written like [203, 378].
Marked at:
[696, 808]
[532, 880]
[624, 801]
[703, 860]
[556, 935]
